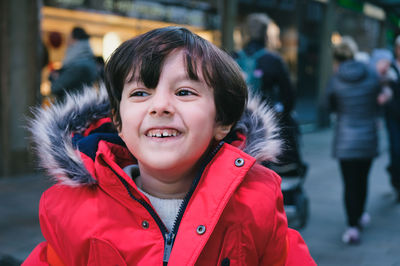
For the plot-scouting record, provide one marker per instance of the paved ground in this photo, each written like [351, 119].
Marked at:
[381, 240]
[20, 232]
[19, 225]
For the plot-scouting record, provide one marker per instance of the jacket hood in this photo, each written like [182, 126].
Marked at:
[352, 71]
[54, 131]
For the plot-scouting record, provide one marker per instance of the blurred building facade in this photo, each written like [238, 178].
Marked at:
[19, 81]
[302, 31]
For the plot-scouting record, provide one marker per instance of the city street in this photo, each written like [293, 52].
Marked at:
[20, 232]
[380, 241]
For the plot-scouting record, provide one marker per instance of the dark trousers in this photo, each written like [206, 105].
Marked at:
[393, 130]
[355, 179]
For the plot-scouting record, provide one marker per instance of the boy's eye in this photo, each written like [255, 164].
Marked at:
[139, 94]
[185, 92]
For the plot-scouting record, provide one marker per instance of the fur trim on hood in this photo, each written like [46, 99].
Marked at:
[52, 130]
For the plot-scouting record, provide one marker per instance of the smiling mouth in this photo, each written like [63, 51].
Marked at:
[162, 133]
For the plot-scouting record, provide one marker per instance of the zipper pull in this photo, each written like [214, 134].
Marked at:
[169, 241]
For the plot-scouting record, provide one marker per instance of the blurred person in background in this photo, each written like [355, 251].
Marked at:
[380, 62]
[362, 57]
[100, 67]
[79, 67]
[267, 76]
[265, 72]
[392, 118]
[353, 93]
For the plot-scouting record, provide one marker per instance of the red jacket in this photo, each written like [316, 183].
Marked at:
[232, 216]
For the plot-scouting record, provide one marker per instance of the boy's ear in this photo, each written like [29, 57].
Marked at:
[114, 119]
[221, 131]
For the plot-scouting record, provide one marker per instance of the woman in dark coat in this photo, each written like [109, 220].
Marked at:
[79, 66]
[352, 93]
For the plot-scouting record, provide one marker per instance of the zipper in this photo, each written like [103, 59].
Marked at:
[169, 237]
[187, 197]
[169, 242]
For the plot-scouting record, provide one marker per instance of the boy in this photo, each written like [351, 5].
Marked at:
[164, 188]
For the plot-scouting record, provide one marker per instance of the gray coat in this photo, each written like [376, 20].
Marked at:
[352, 94]
[79, 69]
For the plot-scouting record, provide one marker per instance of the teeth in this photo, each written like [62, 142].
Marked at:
[162, 133]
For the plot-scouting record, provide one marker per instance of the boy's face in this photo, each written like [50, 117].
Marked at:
[169, 128]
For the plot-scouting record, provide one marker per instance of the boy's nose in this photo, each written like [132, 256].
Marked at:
[161, 105]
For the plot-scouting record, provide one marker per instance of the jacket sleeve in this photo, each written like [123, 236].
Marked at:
[44, 254]
[275, 251]
[286, 245]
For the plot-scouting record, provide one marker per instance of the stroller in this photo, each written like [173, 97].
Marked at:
[292, 170]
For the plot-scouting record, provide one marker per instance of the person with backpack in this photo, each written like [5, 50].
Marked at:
[265, 72]
[267, 76]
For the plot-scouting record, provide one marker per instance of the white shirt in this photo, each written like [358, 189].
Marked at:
[167, 209]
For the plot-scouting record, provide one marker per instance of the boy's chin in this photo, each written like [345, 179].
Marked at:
[164, 167]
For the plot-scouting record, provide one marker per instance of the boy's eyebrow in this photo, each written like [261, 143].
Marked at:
[179, 78]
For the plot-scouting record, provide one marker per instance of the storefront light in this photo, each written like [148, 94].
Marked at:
[374, 11]
[336, 38]
[111, 41]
